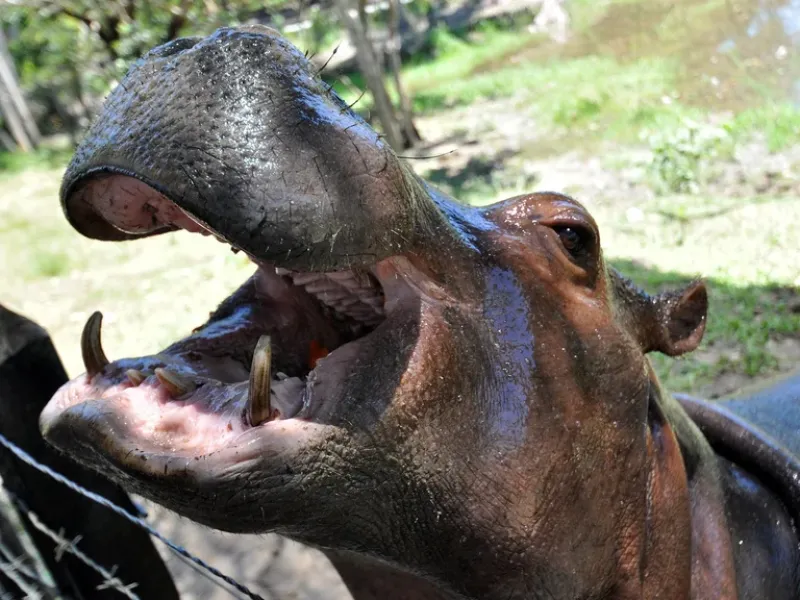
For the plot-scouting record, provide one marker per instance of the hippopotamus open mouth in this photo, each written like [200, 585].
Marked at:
[270, 161]
[458, 395]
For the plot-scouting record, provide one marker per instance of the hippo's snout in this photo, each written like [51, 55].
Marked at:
[240, 134]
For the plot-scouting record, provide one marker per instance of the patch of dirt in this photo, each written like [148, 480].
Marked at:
[754, 171]
[270, 565]
[499, 132]
[786, 351]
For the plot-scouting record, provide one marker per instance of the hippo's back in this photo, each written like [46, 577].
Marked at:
[773, 408]
[759, 430]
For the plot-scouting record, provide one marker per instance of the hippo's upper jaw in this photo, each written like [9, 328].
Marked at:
[458, 394]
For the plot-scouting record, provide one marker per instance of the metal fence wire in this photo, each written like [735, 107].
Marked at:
[18, 570]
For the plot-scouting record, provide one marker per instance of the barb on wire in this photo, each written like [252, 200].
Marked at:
[12, 572]
[21, 543]
[28, 459]
[18, 563]
[110, 580]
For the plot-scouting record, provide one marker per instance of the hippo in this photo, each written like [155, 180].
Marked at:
[451, 402]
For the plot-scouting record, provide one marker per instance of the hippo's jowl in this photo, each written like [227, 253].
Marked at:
[451, 402]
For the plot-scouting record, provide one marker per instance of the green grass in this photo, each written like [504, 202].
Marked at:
[560, 88]
[49, 263]
[36, 247]
[578, 97]
[590, 96]
[40, 159]
[779, 123]
[451, 57]
[458, 56]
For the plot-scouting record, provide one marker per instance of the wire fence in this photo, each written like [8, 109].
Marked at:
[28, 575]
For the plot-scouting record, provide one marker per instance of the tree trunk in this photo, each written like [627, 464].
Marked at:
[410, 133]
[9, 144]
[9, 82]
[12, 120]
[371, 70]
[362, 16]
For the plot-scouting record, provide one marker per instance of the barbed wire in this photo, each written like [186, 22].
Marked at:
[20, 544]
[17, 564]
[110, 580]
[28, 459]
[12, 572]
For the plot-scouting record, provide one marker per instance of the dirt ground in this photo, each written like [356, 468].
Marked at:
[270, 565]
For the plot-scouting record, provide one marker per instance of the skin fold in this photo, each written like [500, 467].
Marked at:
[488, 426]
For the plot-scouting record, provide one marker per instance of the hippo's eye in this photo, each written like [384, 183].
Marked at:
[575, 239]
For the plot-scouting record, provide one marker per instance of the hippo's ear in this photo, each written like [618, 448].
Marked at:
[680, 320]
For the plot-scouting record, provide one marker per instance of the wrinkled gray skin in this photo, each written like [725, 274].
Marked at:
[493, 430]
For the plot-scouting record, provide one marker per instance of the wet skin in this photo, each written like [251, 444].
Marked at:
[460, 399]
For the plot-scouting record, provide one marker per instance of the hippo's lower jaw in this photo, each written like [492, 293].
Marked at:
[254, 391]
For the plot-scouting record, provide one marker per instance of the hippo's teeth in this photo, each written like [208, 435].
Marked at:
[94, 359]
[306, 278]
[258, 408]
[135, 377]
[175, 384]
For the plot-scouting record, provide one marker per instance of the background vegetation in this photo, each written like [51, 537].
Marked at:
[676, 123]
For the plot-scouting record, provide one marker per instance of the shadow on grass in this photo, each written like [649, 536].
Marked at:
[752, 331]
[481, 175]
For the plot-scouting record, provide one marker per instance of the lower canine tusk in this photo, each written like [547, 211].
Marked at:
[94, 359]
[258, 394]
